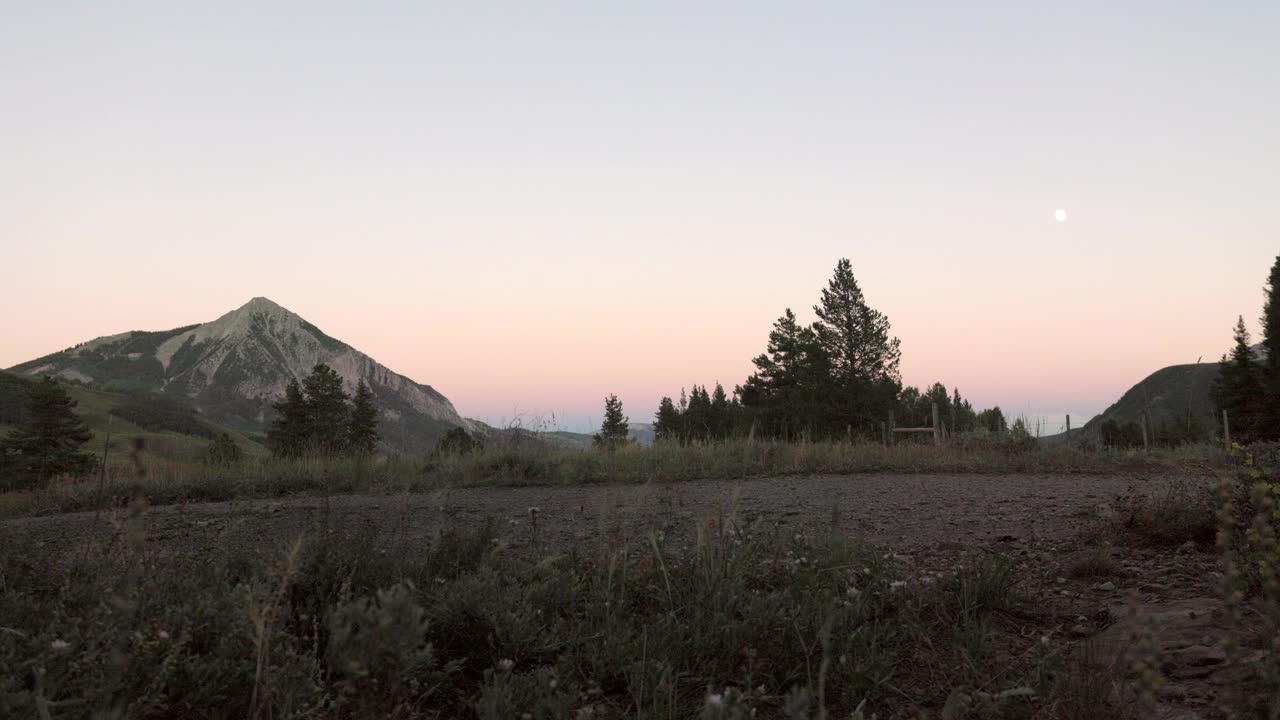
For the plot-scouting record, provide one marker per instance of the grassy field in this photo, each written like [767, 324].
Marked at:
[354, 626]
[169, 481]
[355, 623]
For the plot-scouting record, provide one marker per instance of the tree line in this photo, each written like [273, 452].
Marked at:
[835, 377]
[1248, 386]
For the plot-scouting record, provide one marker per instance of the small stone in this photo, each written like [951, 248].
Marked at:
[1105, 587]
[1062, 581]
[1187, 547]
[1079, 630]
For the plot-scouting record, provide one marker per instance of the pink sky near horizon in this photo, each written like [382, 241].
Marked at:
[532, 209]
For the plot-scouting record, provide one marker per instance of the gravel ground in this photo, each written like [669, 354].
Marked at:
[899, 511]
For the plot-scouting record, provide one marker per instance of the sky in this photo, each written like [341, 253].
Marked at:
[529, 206]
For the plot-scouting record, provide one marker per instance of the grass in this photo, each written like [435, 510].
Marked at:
[535, 464]
[1096, 563]
[357, 625]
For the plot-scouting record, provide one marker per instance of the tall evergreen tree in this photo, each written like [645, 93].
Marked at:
[718, 413]
[666, 423]
[864, 356]
[1269, 422]
[48, 443]
[328, 416]
[613, 431]
[290, 432]
[1239, 388]
[362, 436]
[789, 388]
[697, 418]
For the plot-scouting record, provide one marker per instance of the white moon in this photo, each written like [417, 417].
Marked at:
[1060, 215]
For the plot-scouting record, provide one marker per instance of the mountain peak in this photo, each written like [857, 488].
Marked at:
[263, 305]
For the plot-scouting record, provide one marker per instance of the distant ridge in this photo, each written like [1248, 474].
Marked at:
[233, 368]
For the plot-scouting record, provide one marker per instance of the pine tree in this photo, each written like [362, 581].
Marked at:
[223, 451]
[613, 431]
[328, 416]
[718, 413]
[290, 433]
[362, 438]
[697, 418]
[1238, 388]
[666, 423]
[48, 444]
[864, 357]
[456, 442]
[1269, 422]
[792, 381]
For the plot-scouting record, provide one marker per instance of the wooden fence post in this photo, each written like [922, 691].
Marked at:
[1068, 422]
[937, 427]
[891, 427]
[1226, 429]
[884, 436]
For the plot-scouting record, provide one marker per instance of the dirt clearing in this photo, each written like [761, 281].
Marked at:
[903, 512]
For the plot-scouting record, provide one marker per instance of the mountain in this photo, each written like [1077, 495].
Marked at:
[232, 369]
[1171, 395]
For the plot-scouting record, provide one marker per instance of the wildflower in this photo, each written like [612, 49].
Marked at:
[715, 700]
[59, 645]
[164, 634]
[506, 665]
[896, 584]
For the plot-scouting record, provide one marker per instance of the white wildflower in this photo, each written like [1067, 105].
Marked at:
[506, 665]
[59, 645]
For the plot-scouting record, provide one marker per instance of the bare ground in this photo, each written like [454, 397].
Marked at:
[902, 512]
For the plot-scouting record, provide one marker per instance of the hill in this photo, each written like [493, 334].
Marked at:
[232, 369]
[169, 429]
[1174, 395]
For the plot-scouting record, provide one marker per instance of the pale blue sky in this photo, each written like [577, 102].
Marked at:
[529, 205]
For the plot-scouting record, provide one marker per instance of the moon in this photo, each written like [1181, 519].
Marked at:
[1060, 215]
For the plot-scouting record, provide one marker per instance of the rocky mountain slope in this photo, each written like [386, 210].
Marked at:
[234, 367]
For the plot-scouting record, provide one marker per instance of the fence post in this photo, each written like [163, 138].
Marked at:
[1068, 422]
[891, 427]
[1226, 429]
[1143, 419]
[937, 427]
[884, 436]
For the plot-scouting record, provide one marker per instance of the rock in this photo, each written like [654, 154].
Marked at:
[1107, 586]
[1187, 547]
[1200, 656]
